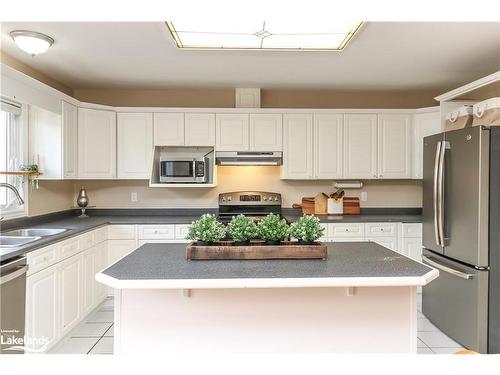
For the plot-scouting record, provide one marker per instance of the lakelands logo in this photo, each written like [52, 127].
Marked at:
[11, 341]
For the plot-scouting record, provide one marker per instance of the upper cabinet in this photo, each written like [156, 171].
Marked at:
[425, 124]
[297, 146]
[360, 146]
[394, 146]
[134, 145]
[266, 132]
[96, 144]
[232, 132]
[70, 140]
[169, 129]
[179, 129]
[328, 146]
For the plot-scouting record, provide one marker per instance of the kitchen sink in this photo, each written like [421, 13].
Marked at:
[34, 232]
[16, 241]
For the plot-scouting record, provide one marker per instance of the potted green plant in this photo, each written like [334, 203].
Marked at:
[241, 229]
[272, 229]
[206, 230]
[306, 229]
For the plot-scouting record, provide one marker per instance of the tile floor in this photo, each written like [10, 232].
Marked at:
[95, 335]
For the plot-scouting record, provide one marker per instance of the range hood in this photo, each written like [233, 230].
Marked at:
[248, 157]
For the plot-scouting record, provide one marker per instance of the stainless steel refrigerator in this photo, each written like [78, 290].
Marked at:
[461, 235]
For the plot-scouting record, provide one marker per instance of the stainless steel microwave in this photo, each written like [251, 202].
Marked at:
[184, 170]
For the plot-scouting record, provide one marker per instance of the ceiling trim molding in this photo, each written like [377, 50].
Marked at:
[474, 85]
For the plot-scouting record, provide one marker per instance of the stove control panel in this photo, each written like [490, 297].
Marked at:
[250, 198]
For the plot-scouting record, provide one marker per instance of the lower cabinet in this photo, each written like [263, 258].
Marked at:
[42, 309]
[70, 280]
[119, 248]
[412, 247]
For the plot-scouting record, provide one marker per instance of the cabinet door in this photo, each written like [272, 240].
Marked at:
[297, 146]
[328, 146]
[118, 249]
[70, 140]
[425, 124]
[231, 132]
[45, 142]
[42, 308]
[96, 144]
[266, 132]
[412, 248]
[168, 129]
[394, 146]
[135, 145]
[89, 290]
[101, 262]
[360, 146]
[70, 289]
[199, 129]
[388, 242]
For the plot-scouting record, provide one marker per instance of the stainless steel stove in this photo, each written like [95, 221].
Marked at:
[254, 204]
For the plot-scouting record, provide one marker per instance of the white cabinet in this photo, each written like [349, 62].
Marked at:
[70, 140]
[388, 242]
[89, 266]
[394, 146]
[199, 129]
[360, 146]
[297, 146]
[70, 271]
[119, 248]
[42, 308]
[232, 132]
[412, 247]
[159, 232]
[168, 129]
[101, 262]
[425, 124]
[96, 144]
[135, 145]
[266, 132]
[328, 146]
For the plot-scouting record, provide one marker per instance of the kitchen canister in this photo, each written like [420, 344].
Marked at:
[335, 206]
[460, 118]
[487, 112]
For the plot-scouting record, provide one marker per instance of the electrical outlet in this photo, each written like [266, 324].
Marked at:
[133, 196]
[364, 196]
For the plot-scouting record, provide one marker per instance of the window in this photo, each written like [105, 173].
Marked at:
[13, 143]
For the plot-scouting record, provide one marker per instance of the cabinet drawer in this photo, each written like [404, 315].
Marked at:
[412, 230]
[346, 230]
[121, 232]
[42, 258]
[381, 229]
[388, 242]
[160, 232]
[100, 235]
[86, 241]
[181, 231]
[69, 248]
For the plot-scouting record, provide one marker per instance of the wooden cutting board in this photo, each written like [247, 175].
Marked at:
[321, 204]
[307, 205]
[351, 206]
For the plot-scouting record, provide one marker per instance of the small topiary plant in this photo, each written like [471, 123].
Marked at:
[241, 229]
[272, 229]
[206, 230]
[306, 229]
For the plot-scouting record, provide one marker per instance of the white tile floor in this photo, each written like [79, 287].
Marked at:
[95, 334]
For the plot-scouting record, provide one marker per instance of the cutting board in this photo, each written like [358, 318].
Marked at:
[307, 205]
[351, 206]
[321, 204]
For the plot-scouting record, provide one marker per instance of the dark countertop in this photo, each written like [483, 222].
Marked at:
[163, 262]
[99, 217]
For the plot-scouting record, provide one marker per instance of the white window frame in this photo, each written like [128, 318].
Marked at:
[22, 153]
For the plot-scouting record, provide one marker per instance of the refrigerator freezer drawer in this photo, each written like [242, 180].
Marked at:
[457, 301]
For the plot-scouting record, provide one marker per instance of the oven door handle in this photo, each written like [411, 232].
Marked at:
[446, 269]
[18, 271]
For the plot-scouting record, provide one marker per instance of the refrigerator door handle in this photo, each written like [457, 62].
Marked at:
[440, 187]
[435, 193]
[446, 269]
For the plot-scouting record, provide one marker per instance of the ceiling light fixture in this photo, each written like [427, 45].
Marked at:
[262, 35]
[32, 42]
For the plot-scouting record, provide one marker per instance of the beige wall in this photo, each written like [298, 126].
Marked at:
[52, 196]
[116, 194]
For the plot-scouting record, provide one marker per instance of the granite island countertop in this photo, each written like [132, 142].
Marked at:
[349, 264]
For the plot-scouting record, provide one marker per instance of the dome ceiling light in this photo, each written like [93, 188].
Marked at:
[262, 35]
[32, 42]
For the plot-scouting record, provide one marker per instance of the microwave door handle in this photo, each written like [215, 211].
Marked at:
[442, 267]
[441, 197]
[435, 193]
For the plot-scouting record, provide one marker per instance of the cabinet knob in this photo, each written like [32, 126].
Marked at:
[375, 175]
[380, 175]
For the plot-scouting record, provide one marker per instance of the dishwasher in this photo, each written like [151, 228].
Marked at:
[12, 304]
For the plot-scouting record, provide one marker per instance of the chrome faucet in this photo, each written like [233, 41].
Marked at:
[16, 192]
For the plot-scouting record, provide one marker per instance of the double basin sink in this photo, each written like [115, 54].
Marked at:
[21, 237]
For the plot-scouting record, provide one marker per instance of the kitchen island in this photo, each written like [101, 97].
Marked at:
[361, 296]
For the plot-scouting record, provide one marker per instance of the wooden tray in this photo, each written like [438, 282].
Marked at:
[287, 250]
